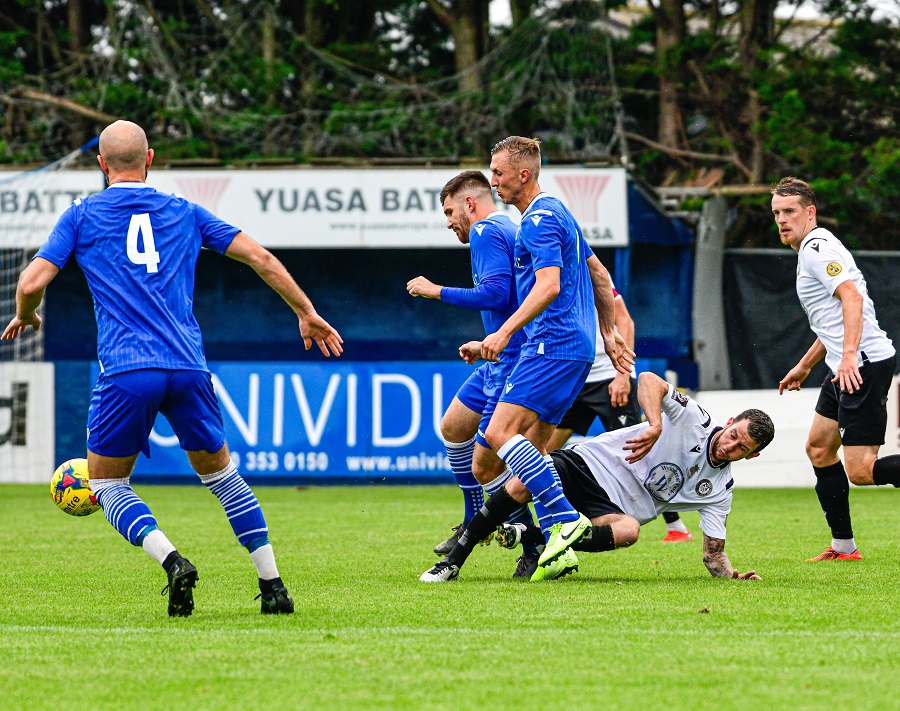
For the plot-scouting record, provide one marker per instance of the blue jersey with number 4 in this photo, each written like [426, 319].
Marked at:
[550, 237]
[138, 249]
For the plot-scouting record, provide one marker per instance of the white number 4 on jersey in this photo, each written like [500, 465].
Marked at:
[140, 225]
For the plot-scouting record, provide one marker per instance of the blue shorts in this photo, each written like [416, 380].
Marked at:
[480, 393]
[545, 385]
[124, 407]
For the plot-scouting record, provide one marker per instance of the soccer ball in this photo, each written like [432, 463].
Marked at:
[70, 488]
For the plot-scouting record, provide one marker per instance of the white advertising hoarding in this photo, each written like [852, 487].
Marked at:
[784, 461]
[312, 207]
[26, 422]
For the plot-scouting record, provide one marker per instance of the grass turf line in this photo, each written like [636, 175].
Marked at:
[83, 624]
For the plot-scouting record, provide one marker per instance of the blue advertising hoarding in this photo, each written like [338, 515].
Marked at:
[334, 422]
[353, 421]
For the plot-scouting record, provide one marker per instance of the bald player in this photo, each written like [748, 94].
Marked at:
[138, 249]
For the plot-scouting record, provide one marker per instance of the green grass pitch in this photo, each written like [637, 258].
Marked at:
[83, 625]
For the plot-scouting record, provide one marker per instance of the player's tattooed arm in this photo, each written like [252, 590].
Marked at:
[716, 561]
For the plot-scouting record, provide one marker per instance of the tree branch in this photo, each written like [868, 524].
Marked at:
[681, 153]
[443, 14]
[67, 104]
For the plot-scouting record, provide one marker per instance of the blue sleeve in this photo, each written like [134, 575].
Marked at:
[216, 234]
[588, 252]
[61, 243]
[492, 294]
[492, 253]
[543, 240]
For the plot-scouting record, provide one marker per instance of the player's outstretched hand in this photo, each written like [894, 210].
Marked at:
[749, 575]
[470, 352]
[420, 286]
[793, 379]
[642, 444]
[492, 346]
[315, 328]
[848, 376]
[18, 325]
[619, 353]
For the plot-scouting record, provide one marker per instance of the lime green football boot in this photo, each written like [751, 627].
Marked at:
[565, 563]
[563, 536]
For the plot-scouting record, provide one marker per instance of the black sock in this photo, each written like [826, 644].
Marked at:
[494, 512]
[170, 561]
[887, 471]
[833, 491]
[670, 516]
[597, 540]
[532, 536]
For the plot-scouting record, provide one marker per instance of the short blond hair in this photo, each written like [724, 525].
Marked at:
[523, 153]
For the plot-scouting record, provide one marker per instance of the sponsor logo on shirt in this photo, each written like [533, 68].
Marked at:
[704, 487]
[479, 227]
[833, 269]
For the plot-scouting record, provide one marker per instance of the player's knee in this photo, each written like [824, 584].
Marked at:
[451, 431]
[626, 531]
[484, 473]
[819, 455]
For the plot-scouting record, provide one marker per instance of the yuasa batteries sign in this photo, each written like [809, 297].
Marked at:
[355, 421]
[319, 208]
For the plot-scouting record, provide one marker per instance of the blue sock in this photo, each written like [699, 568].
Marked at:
[460, 456]
[540, 479]
[241, 507]
[124, 509]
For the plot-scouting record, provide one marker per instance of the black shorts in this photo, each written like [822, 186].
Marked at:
[593, 401]
[861, 416]
[580, 486]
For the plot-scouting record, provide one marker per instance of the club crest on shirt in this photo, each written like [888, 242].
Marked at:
[664, 481]
[833, 269]
[704, 487]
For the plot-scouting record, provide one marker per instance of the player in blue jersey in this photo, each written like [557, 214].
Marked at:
[138, 249]
[471, 213]
[559, 282]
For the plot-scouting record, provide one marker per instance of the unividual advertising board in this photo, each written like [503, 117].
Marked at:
[26, 422]
[317, 207]
[352, 422]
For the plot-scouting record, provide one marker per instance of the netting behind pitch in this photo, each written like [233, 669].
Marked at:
[31, 202]
[204, 85]
[27, 197]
